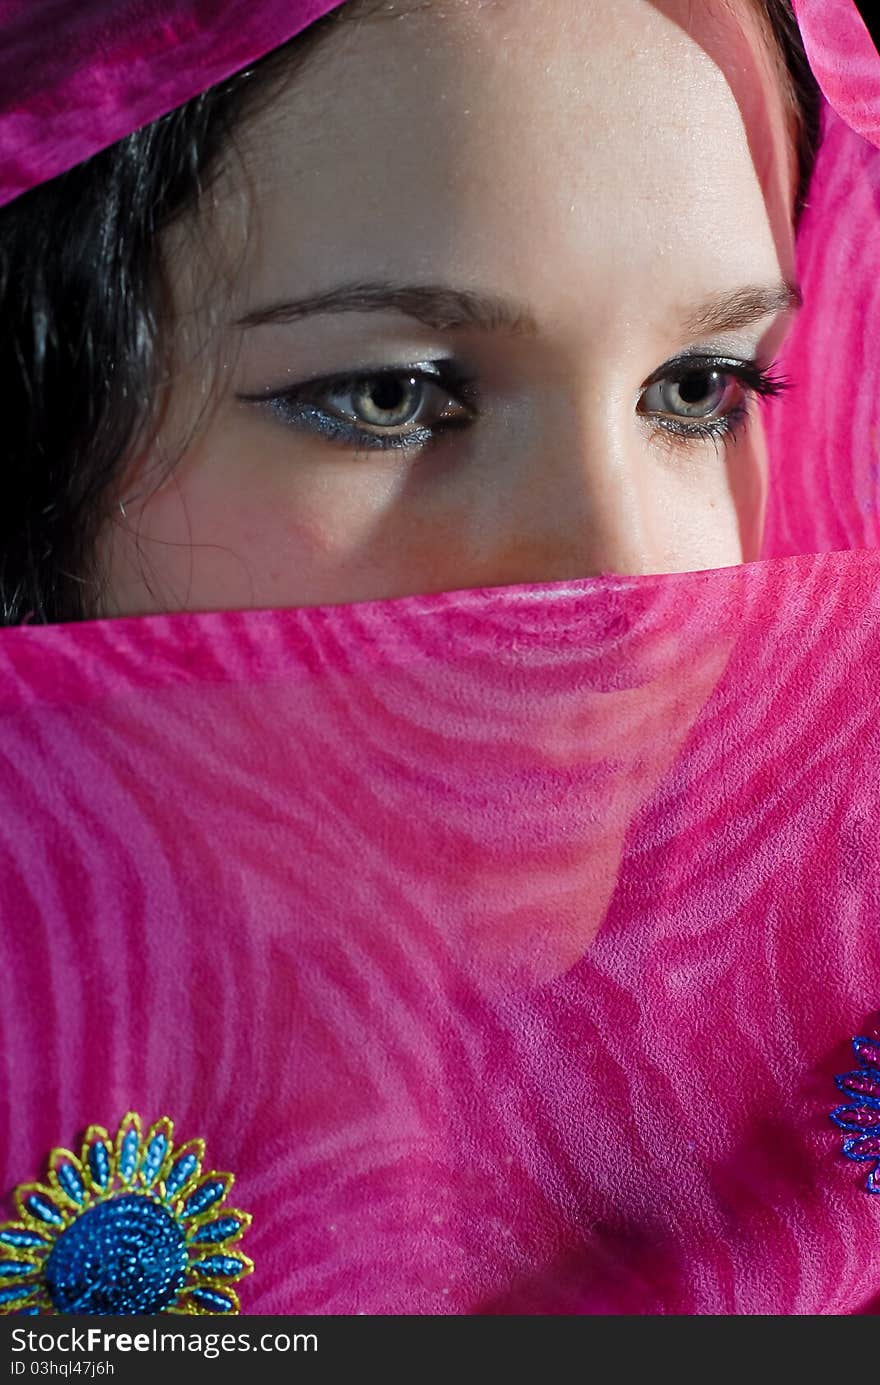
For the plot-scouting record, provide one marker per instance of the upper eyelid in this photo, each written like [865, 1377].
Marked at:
[696, 361]
[352, 377]
[448, 378]
[347, 377]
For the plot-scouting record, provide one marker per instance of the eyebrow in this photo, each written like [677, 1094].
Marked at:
[726, 312]
[445, 308]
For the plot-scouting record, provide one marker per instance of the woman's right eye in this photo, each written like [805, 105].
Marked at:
[401, 408]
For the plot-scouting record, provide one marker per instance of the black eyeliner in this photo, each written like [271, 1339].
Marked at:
[753, 376]
[444, 371]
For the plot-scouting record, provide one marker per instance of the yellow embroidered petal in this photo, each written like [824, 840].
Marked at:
[66, 1179]
[158, 1152]
[96, 1159]
[211, 1229]
[128, 1148]
[207, 1301]
[184, 1170]
[40, 1208]
[209, 1191]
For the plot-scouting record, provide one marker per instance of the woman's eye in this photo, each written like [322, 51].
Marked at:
[386, 409]
[701, 395]
[391, 401]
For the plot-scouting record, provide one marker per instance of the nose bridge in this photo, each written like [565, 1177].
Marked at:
[579, 505]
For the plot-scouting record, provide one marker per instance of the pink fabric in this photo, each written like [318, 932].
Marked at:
[114, 65]
[824, 436]
[505, 943]
[325, 885]
[843, 58]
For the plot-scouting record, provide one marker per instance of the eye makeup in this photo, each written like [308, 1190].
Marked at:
[750, 378]
[313, 406]
[304, 405]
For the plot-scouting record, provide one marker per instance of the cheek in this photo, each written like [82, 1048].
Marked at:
[253, 521]
[708, 512]
[230, 525]
[204, 540]
[265, 495]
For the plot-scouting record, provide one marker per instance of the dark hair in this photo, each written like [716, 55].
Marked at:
[802, 91]
[82, 290]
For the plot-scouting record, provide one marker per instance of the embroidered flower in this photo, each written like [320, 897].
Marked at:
[862, 1117]
[131, 1226]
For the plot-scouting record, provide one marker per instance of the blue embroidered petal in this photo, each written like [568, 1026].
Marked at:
[222, 1229]
[213, 1300]
[128, 1147]
[863, 1083]
[204, 1197]
[41, 1207]
[221, 1266]
[154, 1158]
[184, 1168]
[867, 1051]
[64, 1171]
[16, 1293]
[862, 1147]
[99, 1164]
[18, 1236]
[864, 1118]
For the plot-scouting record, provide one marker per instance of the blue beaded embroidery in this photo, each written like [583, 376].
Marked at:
[127, 1255]
[861, 1118]
[130, 1226]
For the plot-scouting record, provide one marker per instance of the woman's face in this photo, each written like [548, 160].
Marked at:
[451, 275]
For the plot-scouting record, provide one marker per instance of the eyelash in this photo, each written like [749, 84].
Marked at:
[293, 406]
[289, 406]
[752, 378]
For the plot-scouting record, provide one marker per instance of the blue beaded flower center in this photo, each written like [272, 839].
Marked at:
[127, 1255]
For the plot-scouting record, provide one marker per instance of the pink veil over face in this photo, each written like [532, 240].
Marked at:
[508, 945]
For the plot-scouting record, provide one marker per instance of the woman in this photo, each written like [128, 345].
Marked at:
[565, 431]
[505, 940]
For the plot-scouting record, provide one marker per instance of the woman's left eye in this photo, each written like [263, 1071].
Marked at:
[705, 398]
[699, 395]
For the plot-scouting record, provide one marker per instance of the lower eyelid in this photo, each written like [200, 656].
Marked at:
[727, 428]
[309, 419]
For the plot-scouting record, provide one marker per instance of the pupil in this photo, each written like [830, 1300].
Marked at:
[696, 387]
[387, 394]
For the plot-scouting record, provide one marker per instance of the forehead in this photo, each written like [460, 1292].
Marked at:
[426, 137]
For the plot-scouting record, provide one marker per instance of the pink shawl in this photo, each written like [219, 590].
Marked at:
[505, 944]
